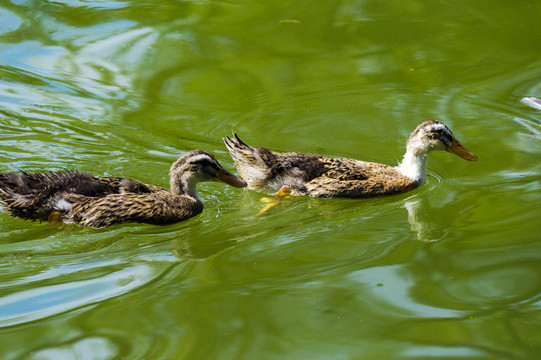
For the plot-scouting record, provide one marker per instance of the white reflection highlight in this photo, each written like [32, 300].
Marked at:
[396, 291]
[96, 4]
[129, 47]
[9, 21]
[30, 305]
[531, 102]
[85, 349]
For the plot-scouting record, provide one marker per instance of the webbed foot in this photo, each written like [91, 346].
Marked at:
[54, 218]
[283, 193]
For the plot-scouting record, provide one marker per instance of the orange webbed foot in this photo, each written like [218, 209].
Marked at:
[54, 218]
[275, 200]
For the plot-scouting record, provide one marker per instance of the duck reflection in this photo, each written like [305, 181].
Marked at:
[424, 220]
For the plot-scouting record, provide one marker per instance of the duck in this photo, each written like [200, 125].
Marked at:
[75, 197]
[296, 174]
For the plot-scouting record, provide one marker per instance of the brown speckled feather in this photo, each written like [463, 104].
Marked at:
[158, 208]
[359, 180]
[95, 202]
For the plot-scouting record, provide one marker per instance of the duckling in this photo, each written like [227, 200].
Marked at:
[75, 197]
[294, 174]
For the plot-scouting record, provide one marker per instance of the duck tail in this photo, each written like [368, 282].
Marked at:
[24, 207]
[25, 195]
[9, 182]
[239, 150]
[248, 160]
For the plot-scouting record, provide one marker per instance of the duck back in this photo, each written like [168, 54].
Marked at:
[35, 195]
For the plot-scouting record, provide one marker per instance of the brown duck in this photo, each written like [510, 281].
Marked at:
[76, 197]
[315, 175]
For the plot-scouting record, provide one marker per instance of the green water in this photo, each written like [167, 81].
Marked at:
[448, 271]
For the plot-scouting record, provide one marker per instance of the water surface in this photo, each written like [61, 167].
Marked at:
[123, 88]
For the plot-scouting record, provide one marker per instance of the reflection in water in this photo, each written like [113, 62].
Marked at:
[480, 290]
[532, 102]
[44, 301]
[9, 21]
[533, 128]
[433, 209]
[89, 348]
[423, 221]
[186, 249]
[40, 302]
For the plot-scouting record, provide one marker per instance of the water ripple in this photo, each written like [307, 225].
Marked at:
[9, 21]
[38, 303]
[89, 348]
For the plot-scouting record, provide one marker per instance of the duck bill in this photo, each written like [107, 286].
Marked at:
[457, 148]
[229, 179]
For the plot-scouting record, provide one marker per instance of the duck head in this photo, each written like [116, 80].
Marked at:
[199, 166]
[433, 135]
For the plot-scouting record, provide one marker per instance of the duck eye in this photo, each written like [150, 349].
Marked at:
[206, 164]
[203, 162]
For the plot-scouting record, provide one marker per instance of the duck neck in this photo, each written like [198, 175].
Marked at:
[414, 164]
[183, 186]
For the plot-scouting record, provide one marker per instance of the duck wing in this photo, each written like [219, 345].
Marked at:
[124, 185]
[35, 195]
[44, 185]
[358, 179]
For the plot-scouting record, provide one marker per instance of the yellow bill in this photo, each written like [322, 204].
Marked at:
[457, 148]
[229, 179]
